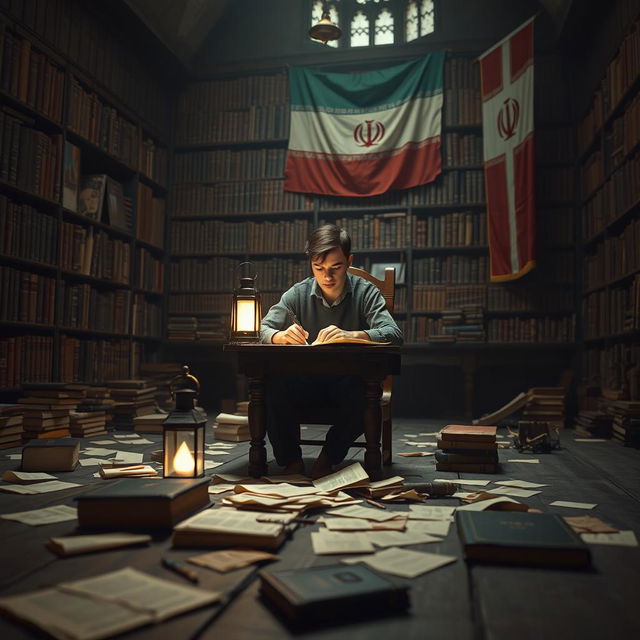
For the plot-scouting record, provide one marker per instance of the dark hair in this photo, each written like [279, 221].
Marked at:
[327, 238]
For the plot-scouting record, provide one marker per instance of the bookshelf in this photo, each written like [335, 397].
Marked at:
[609, 144]
[228, 206]
[82, 190]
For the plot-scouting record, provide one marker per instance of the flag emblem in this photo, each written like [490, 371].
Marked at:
[368, 133]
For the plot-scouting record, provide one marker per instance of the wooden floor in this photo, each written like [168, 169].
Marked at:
[456, 602]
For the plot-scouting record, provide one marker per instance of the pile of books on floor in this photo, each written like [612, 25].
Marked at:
[545, 404]
[46, 408]
[87, 424]
[11, 429]
[592, 424]
[232, 427]
[182, 328]
[160, 375]
[467, 448]
[132, 398]
[150, 423]
[626, 421]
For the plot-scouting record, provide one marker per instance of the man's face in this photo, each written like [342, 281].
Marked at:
[330, 272]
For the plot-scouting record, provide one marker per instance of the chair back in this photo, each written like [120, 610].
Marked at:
[387, 286]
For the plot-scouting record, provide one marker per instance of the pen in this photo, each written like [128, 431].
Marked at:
[293, 318]
[185, 572]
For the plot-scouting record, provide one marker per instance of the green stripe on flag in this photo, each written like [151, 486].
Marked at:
[367, 92]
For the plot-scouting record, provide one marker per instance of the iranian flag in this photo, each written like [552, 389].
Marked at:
[507, 121]
[363, 134]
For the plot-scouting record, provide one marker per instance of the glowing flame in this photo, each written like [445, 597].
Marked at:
[183, 462]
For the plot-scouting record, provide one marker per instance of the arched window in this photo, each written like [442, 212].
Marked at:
[359, 30]
[383, 33]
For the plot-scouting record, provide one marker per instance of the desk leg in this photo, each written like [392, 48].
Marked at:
[257, 428]
[372, 427]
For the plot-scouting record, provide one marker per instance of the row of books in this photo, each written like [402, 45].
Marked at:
[460, 149]
[258, 122]
[614, 258]
[462, 107]
[456, 269]
[454, 325]
[150, 271]
[29, 159]
[379, 231]
[154, 160]
[455, 229]
[617, 195]
[85, 307]
[190, 328]
[431, 298]
[452, 187]
[25, 358]
[536, 330]
[93, 361]
[146, 317]
[237, 198]
[213, 303]
[216, 236]
[150, 217]
[30, 75]
[607, 367]
[27, 233]
[620, 74]
[26, 297]
[517, 298]
[93, 252]
[614, 312]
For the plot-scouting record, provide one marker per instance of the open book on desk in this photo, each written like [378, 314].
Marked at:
[346, 341]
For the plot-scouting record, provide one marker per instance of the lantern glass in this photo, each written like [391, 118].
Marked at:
[246, 315]
[246, 310]
[183, 451]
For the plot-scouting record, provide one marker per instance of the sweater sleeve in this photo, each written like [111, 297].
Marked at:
[382, 326]
[277, 318]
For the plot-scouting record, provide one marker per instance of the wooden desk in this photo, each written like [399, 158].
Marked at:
[372, 363]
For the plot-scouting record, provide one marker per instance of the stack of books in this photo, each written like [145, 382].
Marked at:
[11, 428]
[160, 375]
[132, 398]
[151, 423]
[231, 427]
[467, 448]
[626, 421]
[545, 404]
[98, 399]
[592, 424]
[46, 408]
[86, 424]
[182, 328]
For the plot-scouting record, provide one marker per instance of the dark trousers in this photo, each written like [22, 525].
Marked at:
[287, 394]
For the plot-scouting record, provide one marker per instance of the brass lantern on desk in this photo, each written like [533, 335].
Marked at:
[246, 311]
[183, 430]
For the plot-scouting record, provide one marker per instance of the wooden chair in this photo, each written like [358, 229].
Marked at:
[322, 415]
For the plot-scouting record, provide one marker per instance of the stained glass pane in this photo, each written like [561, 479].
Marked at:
[384, 28]
[411, 21]
[426, 17]
[359, 30]
[316, 12]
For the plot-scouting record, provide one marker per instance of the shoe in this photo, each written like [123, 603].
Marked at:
[293, 468]
[321, 467]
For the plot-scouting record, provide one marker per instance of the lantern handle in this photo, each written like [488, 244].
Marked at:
[191, 382]
[255, 273]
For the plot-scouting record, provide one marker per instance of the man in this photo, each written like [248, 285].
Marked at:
[331, 304]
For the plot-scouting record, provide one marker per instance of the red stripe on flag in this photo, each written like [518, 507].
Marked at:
[365, 176]
[523, 173]
[521, 51]
[498, 216]
[491, 73]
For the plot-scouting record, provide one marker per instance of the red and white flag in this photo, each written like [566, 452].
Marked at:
[507, 120]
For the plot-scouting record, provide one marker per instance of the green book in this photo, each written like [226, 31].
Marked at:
[306, 596]
[508, 537]
[142, 503]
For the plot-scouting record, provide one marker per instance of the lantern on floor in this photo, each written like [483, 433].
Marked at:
[183, 430]
[246, 311]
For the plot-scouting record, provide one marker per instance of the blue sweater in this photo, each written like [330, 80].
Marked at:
[361, 309]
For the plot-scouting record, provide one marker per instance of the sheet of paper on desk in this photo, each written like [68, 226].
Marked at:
[405, 563]
[483, 505]
[513, 491]
[40, 487]
[103, 442]
[90, 462]
[351, 476]
[520, 484]
[125, 436]
[399, 538]
[346, 524]
[130, 457]
[589, 524]
[466, 481]
[98, 451]
[75, 545]
[426, 512]
[46, 515]
[138, 441]
[573, 505]
[356, 511]
[327, 542]
[430, 527]
[621, 538]
[210, 464]
[215, 489]
[230, 559]
[214, 452]
[26, 477]
[282, 490]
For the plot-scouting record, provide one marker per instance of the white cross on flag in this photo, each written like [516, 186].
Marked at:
[507, 120]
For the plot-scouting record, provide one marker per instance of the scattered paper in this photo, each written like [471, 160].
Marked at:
[501, 503]
[347, 524]
[40, 487]
[513, 491]
[210, 464]
[528, 460]
[130, 457]
[90, 462]
[103, 442]
[216, 452]
[328, 542]
[134, 471]
[474, 483]
[26, 477]
[404, 563]
[351, 476]
[463, 495]
[47, 515]
[281, 490]
[75, 545]
[97, 451]
[426, 512]
[399, 538]
[589, 524]
[621, 539]
[125, 436]
[430, 527]
[215, 489]
[521, 484]
[573, 505]
[356, 511]
[231, 559]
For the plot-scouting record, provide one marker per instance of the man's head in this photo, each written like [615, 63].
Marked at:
[329, 250]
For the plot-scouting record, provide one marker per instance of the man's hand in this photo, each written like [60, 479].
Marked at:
[336, 333]
[294, 334]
